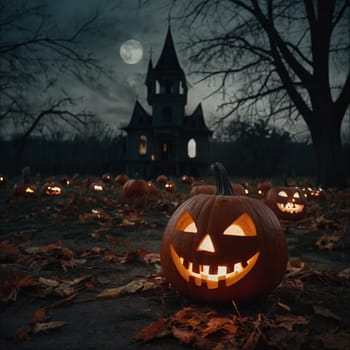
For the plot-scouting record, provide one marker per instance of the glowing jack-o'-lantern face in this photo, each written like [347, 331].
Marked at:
[52, 190]
[24, 190]
[223, 247]
[287, 202]
[227, 271]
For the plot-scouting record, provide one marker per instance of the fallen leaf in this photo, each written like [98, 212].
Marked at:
[48, 282]
[288, 321]
[319, 310]
[48, 326]
[8, 251]
[151, 258]
[188, 337]
[328, 241]
[283, 307]
[129, 288]
[216, 324]
[23, 334]
[126, 223]
[157, 329]
[38, 315]
[344, 274]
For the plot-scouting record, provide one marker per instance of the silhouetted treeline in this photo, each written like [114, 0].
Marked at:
[253, 157]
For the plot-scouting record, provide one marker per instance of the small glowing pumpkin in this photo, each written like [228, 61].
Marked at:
[51, 189]
[263, 187]
[185, 179]
[106, 177]
[223, 246]
[288, 203]
[24, 190]
[170, 186]
[97, 187]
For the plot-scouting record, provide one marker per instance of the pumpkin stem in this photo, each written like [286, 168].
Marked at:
[223, 184]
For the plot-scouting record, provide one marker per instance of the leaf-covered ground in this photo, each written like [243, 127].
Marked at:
[82, 271]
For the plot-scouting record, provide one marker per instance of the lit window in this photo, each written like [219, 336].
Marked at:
[143, 145]
[157, 87]
[192, 148]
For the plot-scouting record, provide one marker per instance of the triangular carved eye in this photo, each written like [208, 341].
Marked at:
[186, 223]
[243, 226]
[296, 195]
[283, 194]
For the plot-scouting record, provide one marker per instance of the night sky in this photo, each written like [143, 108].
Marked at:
[113, 100]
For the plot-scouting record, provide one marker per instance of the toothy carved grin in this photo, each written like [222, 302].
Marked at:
[291, 208]
[212, 279]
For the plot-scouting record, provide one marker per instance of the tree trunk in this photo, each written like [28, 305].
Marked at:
[329, 152]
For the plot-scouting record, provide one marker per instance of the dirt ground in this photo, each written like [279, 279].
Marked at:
[60, 253]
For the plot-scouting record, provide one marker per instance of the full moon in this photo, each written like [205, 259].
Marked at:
[131, 51]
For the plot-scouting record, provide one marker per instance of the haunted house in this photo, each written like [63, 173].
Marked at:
[167, 141]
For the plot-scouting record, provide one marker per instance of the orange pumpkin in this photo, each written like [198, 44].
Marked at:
[97, 186]
[187, 179]
[223, 247]
[152, 189]
[106, 177]
[162, 179]
[202, 189]
[24, 190]
[238, 189]
[51, 189]
[211, 189]
[288, 203]
[263, 187]
[121, 179]
[135, 188]
[170, 186]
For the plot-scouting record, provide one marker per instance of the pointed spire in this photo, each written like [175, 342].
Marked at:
[149, 75]
[168, 60]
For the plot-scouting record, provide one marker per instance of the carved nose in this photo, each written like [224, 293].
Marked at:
[206, 245]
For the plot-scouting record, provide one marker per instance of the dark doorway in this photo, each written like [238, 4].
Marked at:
[166, 150]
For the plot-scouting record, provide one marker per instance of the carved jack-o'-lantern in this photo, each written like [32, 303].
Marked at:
[288, 203]
[24, 190]
[170, 186]
[66, 181]
[51, 189]
[223, 246]
[97, 187]
[106, 177]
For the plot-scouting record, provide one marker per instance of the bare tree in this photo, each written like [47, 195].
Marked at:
[35, 56]
[294, 53]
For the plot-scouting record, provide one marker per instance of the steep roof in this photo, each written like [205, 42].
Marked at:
[149, 75]
[168, 60]
[195, 122]
[140, 119]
